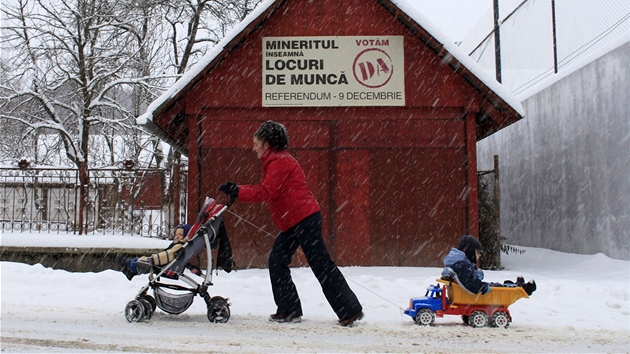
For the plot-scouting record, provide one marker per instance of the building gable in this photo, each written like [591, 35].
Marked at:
[437, 74]
[396, 182]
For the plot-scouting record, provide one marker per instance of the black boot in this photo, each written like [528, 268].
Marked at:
[529, 287]
[292, 318]
[124, 267]
[350, 321]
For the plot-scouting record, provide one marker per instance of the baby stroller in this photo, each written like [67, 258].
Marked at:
[205, 232]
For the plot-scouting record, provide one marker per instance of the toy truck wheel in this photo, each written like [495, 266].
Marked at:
[500, 319]
[478, 319]
[425, 317]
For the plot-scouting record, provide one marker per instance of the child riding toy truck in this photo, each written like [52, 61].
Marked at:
[476, 310]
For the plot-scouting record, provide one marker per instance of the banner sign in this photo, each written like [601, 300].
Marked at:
[333, 71]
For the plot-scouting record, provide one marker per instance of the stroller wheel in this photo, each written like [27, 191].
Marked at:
[218, 310]
[134, 312]
[151, 301]
[147, 308]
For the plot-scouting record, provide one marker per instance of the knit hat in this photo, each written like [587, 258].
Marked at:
[186, 228]
[273, 133]
[469, 244]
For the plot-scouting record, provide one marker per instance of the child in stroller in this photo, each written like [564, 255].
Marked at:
[208, 232]
[131, 267]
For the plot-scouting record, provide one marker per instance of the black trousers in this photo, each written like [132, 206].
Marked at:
[308, 235]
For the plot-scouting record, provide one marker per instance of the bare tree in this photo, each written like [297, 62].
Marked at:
[197, 25]
[70, 58]
[194, 27]
[78, 68]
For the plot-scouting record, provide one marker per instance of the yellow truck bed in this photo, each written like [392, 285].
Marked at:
[498, 296]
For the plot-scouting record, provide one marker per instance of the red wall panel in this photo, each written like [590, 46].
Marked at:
[392, 182]
[352, 213]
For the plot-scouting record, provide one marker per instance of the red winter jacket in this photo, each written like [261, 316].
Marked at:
[283, 188]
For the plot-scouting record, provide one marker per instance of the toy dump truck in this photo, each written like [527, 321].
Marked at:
[477, 310]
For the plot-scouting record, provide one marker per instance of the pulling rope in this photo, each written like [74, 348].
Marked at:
[253, 240]
[386, 300]
[272, 236]
[251, 224]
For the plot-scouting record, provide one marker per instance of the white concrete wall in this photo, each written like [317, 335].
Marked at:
[565, 168]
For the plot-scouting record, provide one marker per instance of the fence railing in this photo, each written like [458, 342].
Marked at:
[135, 201]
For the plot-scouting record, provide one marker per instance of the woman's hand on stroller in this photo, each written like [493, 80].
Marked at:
[230, 189]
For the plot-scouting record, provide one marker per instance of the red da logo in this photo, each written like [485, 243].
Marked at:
[373, 68]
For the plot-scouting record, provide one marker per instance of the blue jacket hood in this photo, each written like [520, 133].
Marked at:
[453, 257]
[467, 275]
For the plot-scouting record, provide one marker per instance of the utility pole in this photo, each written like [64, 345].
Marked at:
[497, 41]
[555, 43]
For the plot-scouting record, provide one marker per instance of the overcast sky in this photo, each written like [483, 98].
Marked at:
[457, 17]
[454, 17]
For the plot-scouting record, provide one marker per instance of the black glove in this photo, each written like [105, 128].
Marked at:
[230, 189]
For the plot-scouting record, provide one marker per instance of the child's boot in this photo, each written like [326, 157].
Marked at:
[530, 287]
[124, 263]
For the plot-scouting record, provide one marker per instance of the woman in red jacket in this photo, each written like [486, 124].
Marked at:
[296, 213]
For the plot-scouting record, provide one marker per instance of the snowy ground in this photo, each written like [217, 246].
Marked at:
[581, 305]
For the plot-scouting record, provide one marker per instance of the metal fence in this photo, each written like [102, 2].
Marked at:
[539, 38]
[143, 202]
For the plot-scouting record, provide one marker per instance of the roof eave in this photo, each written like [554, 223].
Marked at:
[150, 127]
[166, 104]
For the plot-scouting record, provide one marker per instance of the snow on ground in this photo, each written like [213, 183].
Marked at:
[581, 305]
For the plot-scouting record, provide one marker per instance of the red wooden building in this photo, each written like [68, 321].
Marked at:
[383, 115]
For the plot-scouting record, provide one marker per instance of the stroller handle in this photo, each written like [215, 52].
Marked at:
[225, 207]
[232, 200]
[207, 214]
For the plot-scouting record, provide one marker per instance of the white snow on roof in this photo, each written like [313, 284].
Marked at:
[403, 5]
[460, 55]
[568, 70]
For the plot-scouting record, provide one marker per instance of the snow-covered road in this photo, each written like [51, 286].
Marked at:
[64, 331]
[581, 305]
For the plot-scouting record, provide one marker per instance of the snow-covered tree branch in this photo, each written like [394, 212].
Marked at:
[76, 70]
